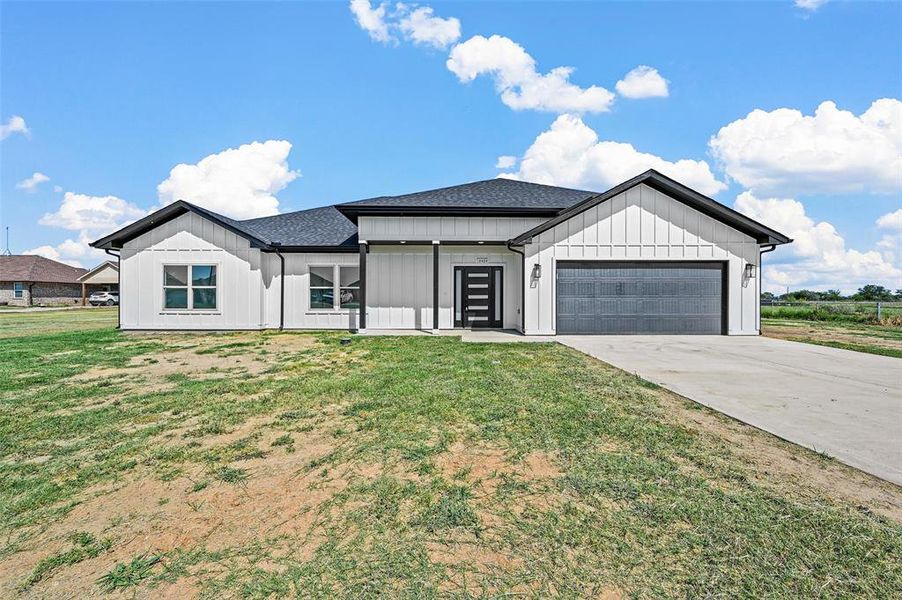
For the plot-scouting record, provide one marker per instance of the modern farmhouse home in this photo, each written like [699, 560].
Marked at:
[647, 256]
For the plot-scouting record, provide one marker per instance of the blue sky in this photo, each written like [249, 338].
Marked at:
[115, 95]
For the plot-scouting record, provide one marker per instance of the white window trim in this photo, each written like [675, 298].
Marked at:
[19, 293]
[189, 287]
[336, 287]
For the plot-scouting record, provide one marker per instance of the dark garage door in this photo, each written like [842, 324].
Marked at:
[640, 297]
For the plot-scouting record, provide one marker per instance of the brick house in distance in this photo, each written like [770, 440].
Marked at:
[35, 280]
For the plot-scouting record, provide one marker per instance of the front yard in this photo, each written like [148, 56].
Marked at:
[885, 340]
[287, 464]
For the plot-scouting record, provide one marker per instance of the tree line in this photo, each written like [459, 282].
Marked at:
[867, 293]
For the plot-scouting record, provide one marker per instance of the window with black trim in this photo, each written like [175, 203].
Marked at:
[189, 287]
[334, 286]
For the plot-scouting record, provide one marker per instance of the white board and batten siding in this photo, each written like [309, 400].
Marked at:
[458, 229]
[641, 224]
[399, 284]
[242, 291]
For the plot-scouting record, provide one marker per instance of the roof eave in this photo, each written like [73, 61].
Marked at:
[117, 239]
[662, 183]
[352, 212]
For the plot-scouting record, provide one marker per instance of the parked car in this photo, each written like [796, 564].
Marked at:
[107, 298]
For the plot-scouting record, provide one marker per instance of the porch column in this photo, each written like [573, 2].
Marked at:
[361, 321]
[435, 245]
[82, 294]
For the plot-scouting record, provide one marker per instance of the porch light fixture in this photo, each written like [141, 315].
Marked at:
[536, 271]
[750, 270]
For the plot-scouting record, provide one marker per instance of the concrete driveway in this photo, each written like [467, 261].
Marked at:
[847, 404]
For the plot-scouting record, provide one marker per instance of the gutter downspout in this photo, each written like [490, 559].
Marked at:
[522, 286]
[281, 286]
[761, 254]
[119, 284]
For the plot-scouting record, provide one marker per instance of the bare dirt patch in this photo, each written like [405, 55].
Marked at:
[200, 357]
[779, 463]
[280, 497]
[826, 333]
[482, 466]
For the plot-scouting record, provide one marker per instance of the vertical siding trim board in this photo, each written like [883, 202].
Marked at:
[361, 320]
[435, 282]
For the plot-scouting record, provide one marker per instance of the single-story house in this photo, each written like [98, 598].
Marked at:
[26, 280]
[102, 278]
[647, 256]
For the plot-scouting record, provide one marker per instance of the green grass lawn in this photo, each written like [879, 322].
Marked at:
[260, 465]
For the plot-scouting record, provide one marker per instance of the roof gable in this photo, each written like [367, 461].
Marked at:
[321, 227]
[107, 264]
[761, 233]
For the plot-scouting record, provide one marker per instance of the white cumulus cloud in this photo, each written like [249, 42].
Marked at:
[642, 82]
[518, 82]
[101, 214]
[238, 182]
[505, 162]
[890, 244]
[15, 124]
[892, 221]
[832, 151]
[31, 183]
[372, 20]
[417, 24]
[421, 26]
[77, 252]
[809, 5]
[818, 257]
[570, 154]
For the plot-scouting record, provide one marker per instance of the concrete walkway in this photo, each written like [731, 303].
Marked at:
[847, 404]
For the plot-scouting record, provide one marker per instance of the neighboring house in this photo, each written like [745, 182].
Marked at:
[648, 256]
[30, 280]
[102, 278]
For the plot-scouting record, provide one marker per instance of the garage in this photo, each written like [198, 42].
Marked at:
[605, 297]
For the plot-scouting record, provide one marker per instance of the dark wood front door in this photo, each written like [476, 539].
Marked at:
[478, 297]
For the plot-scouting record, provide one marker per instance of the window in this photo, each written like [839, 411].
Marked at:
[197, 292]
[349, 295]
[322, 287]
[334, 287]
[18, 286]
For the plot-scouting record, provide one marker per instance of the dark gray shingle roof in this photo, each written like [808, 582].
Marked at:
[323, 226]
[491, 193]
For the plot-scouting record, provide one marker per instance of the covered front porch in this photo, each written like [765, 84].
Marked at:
[439, 285]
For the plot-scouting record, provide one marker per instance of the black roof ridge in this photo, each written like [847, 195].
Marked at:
[458, 185]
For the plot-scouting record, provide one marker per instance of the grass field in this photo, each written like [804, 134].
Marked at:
[838, 312]
[258, 465]
[860, 337]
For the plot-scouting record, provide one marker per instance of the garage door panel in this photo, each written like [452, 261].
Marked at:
[639, 298]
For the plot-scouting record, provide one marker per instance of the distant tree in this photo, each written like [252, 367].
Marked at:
[899, 295]
[801, 295]
[831, 295]
[769, 296]
[873, 293]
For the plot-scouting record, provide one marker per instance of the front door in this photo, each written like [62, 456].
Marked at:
[477, 296]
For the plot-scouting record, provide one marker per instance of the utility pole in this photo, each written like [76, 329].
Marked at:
[7, 252]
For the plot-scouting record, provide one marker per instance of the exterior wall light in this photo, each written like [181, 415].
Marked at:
[536, 271]
[750, 270]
